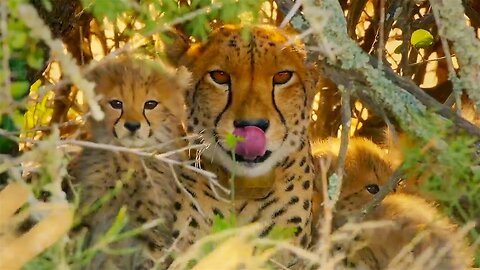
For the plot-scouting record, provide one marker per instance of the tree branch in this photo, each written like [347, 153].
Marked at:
[356, 76]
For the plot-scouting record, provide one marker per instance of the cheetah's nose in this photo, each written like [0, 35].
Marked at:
[260, 123]
[132, 126]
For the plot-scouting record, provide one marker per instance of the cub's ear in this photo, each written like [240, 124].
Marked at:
[184, 78]
[176, 44]
[329, 159]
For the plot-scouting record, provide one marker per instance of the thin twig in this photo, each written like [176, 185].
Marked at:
[345, 135]
[430, 60]
[381, 43]
[385, 189]
[291, 13]
[185, 191]
[138, 152]
[173, 246]
[326, 228]
[451, 70]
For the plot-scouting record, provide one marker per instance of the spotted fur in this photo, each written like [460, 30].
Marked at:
[366, 168]
[275, 189]
[143, 107]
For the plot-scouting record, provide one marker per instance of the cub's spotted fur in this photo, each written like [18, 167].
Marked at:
[143, 108]
[260, 81]
[366, 169]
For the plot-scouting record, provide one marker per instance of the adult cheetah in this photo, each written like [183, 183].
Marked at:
[254, 83]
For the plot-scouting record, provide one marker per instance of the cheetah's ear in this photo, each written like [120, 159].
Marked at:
[176, 44]
[329, 159]
[176, 101]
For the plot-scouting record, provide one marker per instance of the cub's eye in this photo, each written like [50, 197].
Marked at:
[220, 77]
[372, 188]
[282, 77]
[150, 105]
[116, 104]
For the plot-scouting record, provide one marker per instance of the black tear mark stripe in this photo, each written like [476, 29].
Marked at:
[282, 118]
[145, 116]
[194, 95]
[116, 122]
[229, 102]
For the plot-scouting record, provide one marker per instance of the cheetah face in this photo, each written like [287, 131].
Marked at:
[367, 168]
[258, 88]
[143, 106]
[130, 122]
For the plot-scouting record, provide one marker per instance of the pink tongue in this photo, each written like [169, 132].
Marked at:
[254, 143]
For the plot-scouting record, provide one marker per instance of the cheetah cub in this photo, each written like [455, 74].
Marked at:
[415, 223]
[143, 107]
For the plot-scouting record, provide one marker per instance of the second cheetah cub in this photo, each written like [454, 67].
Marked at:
[419, 235]
[143, 107]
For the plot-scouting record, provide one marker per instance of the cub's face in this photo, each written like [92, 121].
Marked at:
[143, 106]
[258, 88]
[366, 169]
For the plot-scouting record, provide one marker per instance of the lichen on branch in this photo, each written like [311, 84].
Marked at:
[346, 54]
[452, 25]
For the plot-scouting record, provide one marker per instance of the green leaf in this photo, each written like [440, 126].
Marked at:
[282, 233]
[18, 39]
[35, 86]
[35, 59]
[106, 8]
[18, 68]
[19, 89]
[221, 224]
[7, 146]
[119, 222]
[421, 38]
[231, 140]
[47, 4]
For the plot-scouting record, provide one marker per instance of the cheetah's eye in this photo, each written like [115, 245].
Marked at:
[220, 77]
[372, 188]
[150, 105]
[282, 77]
[116, 104]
